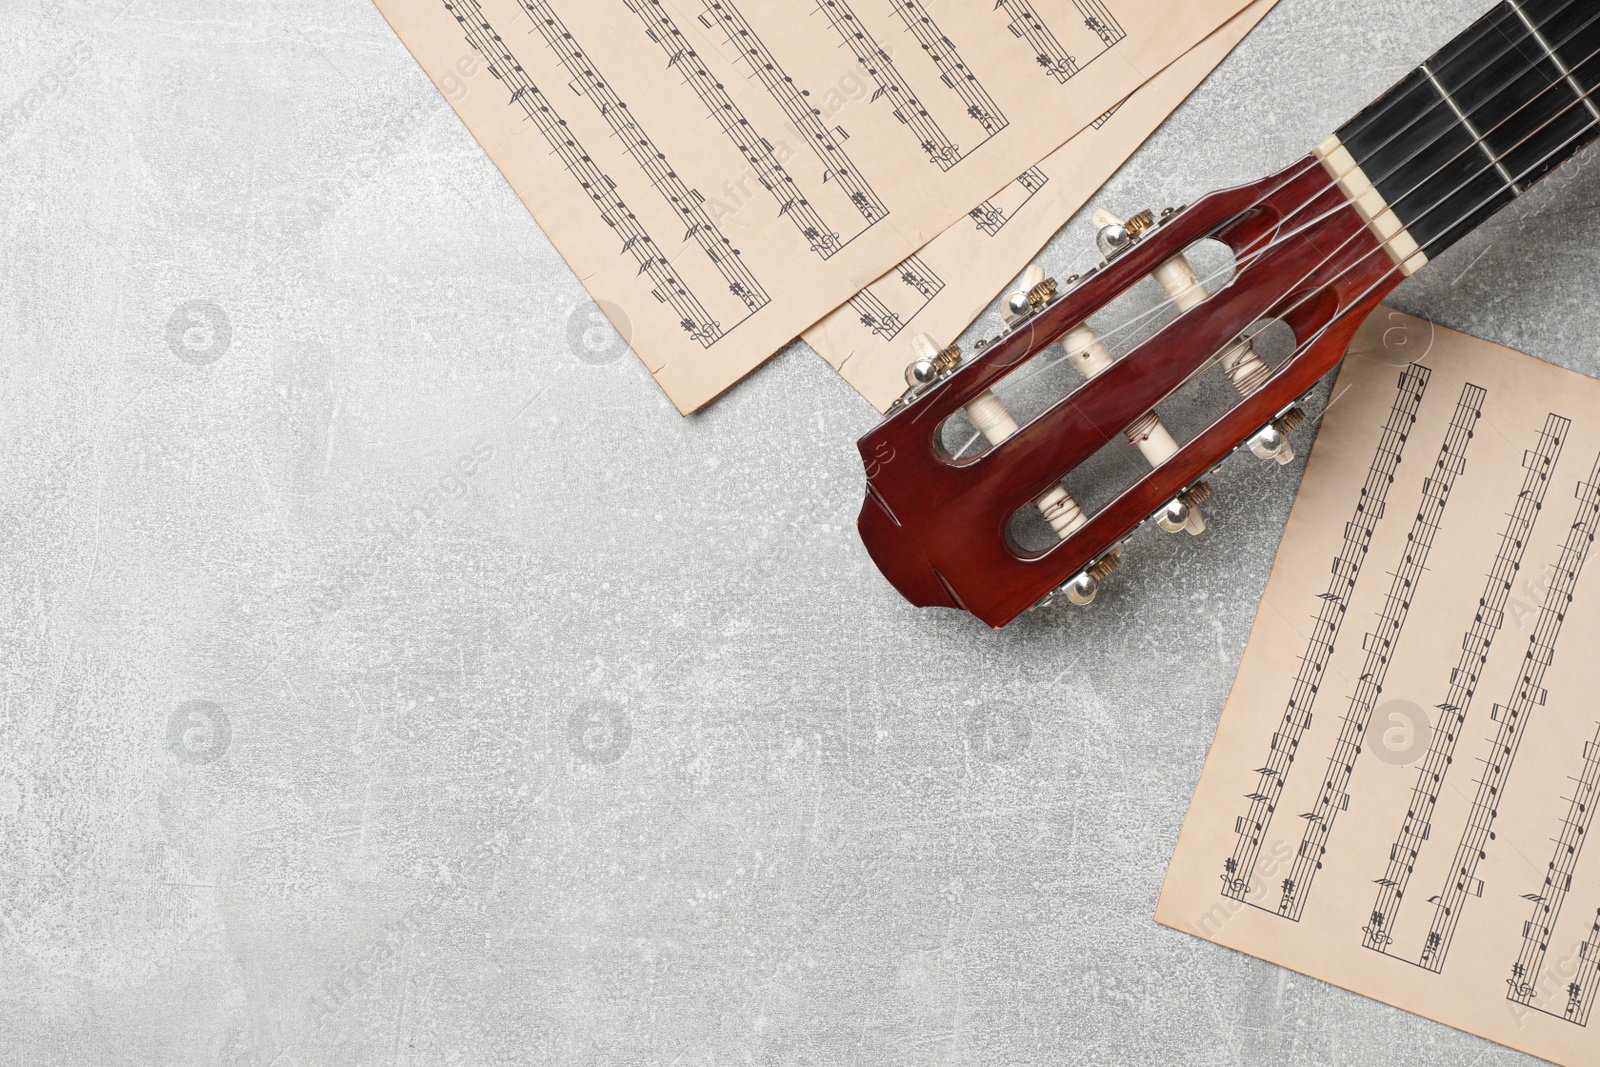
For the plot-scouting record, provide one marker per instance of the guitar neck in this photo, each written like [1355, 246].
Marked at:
[1474, 127]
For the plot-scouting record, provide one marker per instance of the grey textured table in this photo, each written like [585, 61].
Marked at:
[355, 709]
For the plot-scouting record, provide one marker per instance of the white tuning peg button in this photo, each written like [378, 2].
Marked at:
[1111, 235]
[1019, 305]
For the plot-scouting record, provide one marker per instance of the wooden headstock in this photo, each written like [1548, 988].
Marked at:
[939, 528]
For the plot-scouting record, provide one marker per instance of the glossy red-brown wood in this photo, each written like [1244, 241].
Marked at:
[938, 530]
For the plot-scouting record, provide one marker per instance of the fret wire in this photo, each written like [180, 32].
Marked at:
[1588, 128]
[1389, 101]
[1393, 97]
[1585, 97]
[1357, 301]
[1537, 32]
[1427, 113]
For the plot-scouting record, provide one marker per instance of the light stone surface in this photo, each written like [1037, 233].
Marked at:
[389, 676]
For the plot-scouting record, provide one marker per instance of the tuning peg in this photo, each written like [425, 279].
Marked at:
[1085, 586]
[932, 362]
[1082, 590]
[1062, 512]
[1114, 236]
[1272, 441]
[1037, 291]
[1174, 518]
[1017, 308]
[1017, 305]
[1182, 514]
[990, 417]
[1270, 444]
[921, 373]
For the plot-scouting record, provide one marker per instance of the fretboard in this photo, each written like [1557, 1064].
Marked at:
[1482, 121]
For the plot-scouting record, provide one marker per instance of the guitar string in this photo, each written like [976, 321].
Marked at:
[1496, 162]
[1580, 101]
[1587, 127]
[1382, 279]
[1041, 365]
[1355, 303]
[1476, 144]
[1381, 250]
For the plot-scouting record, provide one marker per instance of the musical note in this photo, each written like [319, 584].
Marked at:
[886, 309]
[1346, 570]
[669, 286]
[1475, 645]
[650, 159]
[1053, 57]
[992, 215]
[953, 70]
[820, 236]
[1512, 725]
[875, 60]
[1575, 826]
[1378, 644]
[793, 100]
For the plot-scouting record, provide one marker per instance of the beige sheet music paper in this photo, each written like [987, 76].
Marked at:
[868, 340]
[723, 173]
[1401, 786]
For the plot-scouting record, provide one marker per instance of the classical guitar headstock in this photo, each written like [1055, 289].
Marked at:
[953, 468]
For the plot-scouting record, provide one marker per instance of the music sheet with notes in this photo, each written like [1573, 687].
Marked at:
[1403, 782]
[721, 174]
[868, 340]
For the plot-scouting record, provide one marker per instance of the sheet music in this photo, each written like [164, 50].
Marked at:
[868, 340]
[1404, 777]
[721, 174]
